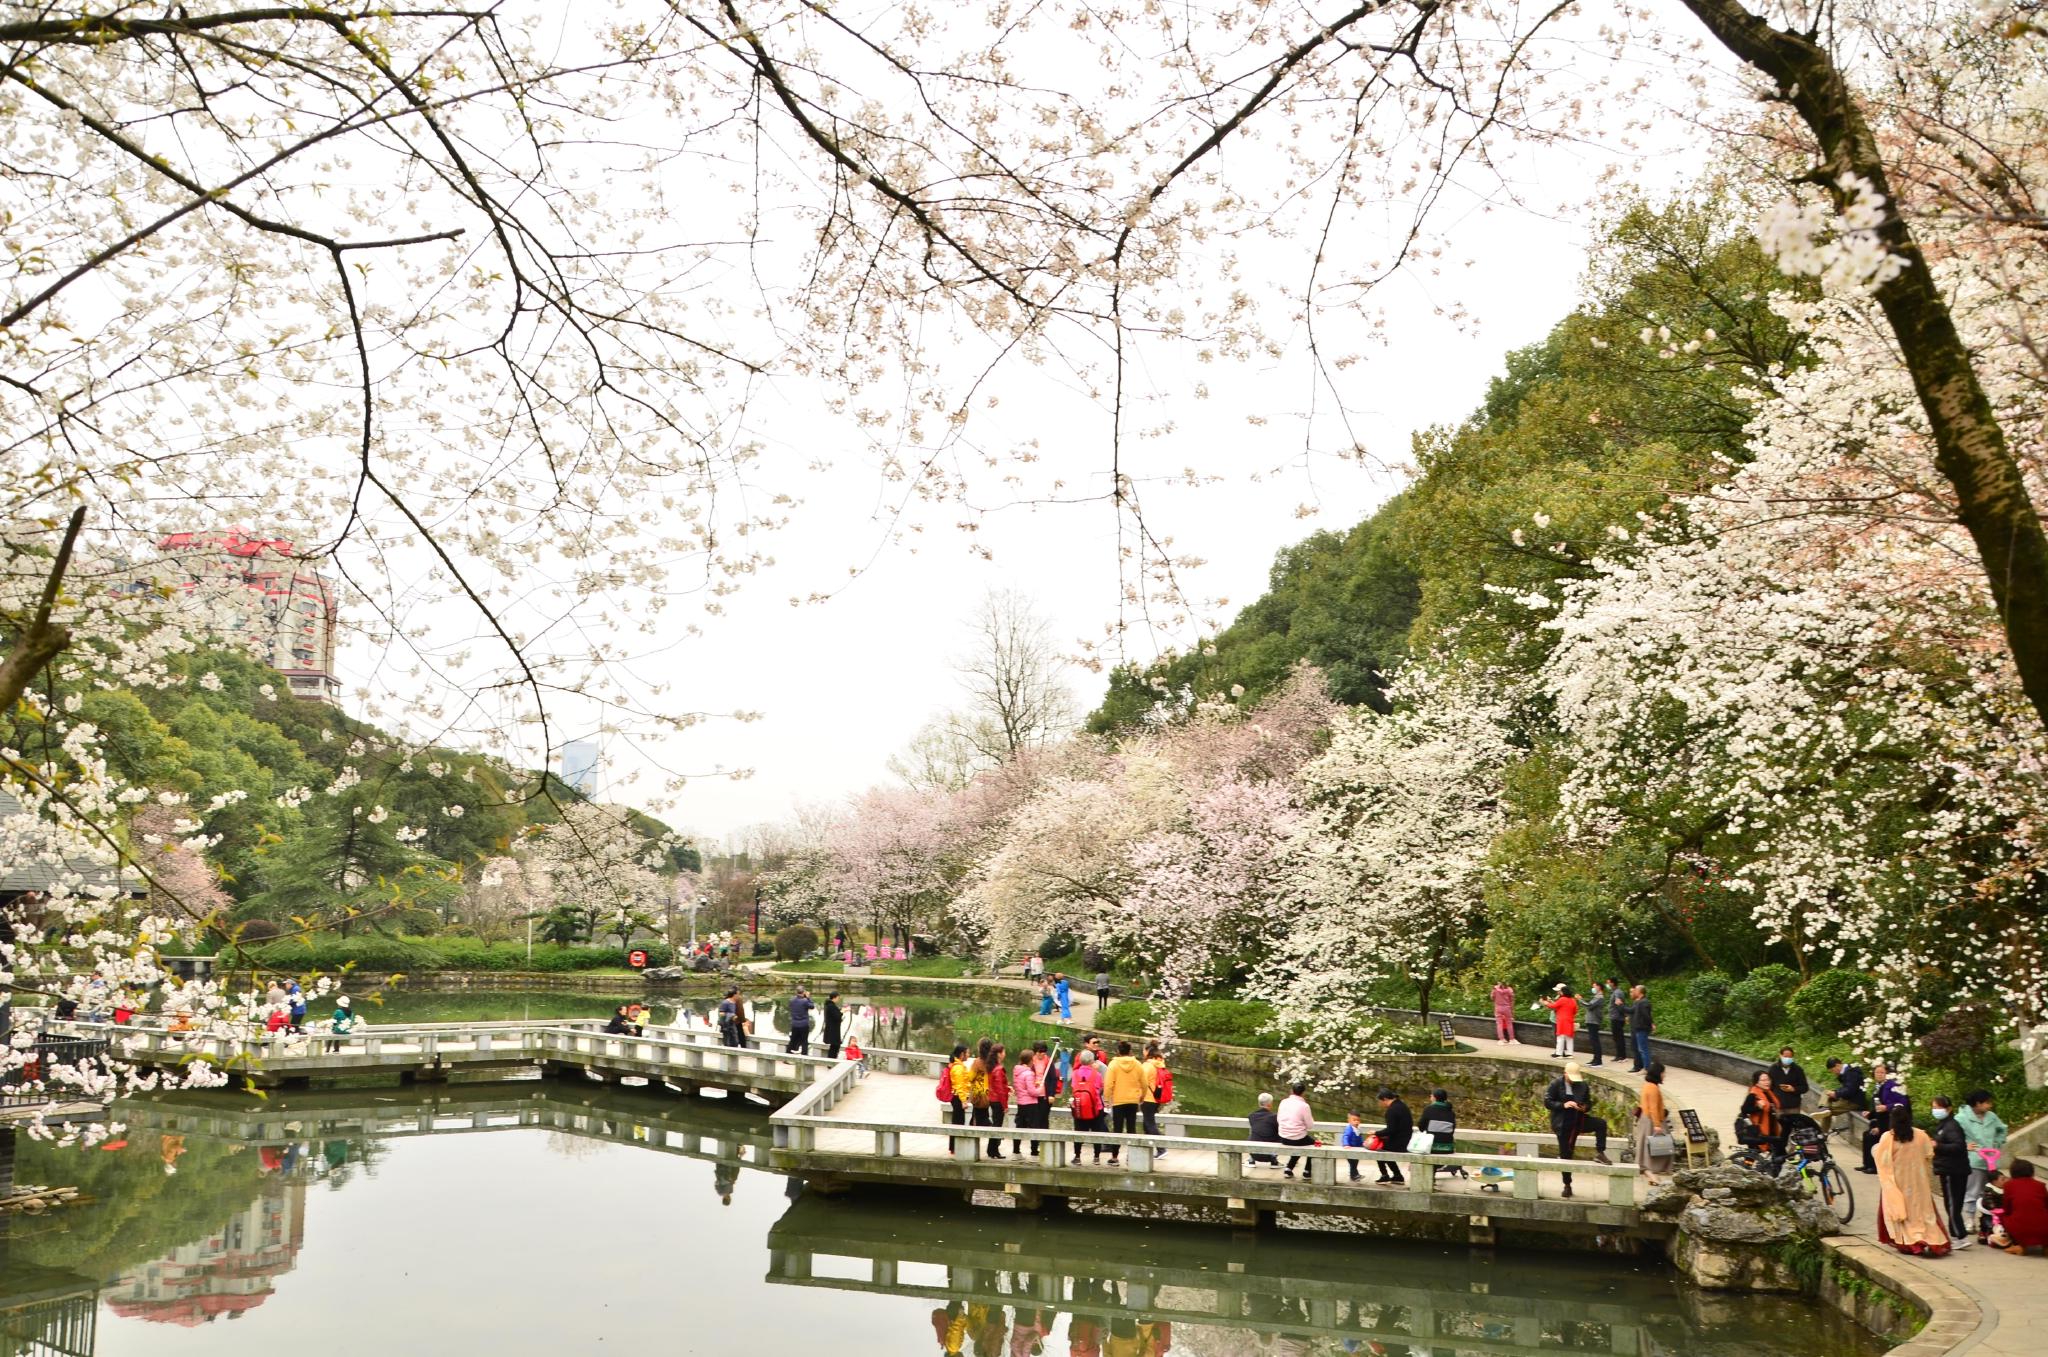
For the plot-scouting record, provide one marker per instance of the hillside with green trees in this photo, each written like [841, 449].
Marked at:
[1585, 429]
[324, 822]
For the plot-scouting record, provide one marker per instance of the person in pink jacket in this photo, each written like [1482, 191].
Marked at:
[1027, 1088]
[1504, 1012]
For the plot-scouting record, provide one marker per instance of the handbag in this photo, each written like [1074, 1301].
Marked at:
[1659, 1146]
[1373, 1142]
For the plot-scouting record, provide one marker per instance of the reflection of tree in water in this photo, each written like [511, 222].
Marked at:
[570, 1145]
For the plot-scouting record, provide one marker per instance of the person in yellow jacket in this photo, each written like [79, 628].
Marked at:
[1124, 1087]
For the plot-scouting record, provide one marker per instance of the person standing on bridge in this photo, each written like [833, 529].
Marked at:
[835, 1018]
[998, 1095]
[296, 997]
[800, 1022]
[1397, 1135]
[1504, 1012]
[1027, 1086]
[1124, 1090]
[953, 1085]
[1158, 1090]
[1087, 1106]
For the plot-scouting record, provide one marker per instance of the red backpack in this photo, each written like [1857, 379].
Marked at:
[1164, 1091]
[945, 1091]
[1087, 1102]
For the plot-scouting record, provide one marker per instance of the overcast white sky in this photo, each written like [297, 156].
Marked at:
[842, 684]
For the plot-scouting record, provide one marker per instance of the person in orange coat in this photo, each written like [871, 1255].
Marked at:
[2026, 1209]
[1564, 1008]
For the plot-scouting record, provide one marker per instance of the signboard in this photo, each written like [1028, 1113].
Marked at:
[636, 959]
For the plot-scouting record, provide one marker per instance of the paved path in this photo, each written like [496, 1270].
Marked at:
[2011, 1292]
[1027, 991]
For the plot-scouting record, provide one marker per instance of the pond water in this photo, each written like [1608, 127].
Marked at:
[388, 1221]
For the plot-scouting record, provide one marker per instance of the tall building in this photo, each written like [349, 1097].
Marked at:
[578, 765]
[277, 602]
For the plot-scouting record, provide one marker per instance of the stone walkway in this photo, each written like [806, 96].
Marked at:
[2011, 1293]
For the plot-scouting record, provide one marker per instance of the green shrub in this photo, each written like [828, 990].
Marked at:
[795, 941]
[1833, 1001]
[1221, 1020]
[1708, 995]
[1758, 999]
[381, 952]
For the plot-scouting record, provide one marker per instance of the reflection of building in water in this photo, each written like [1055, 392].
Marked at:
[229, 1272]
[45, 1312]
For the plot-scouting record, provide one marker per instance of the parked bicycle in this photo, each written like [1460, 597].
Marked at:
[1806, 1157]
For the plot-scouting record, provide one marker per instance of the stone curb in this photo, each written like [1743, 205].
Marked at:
[1952, 1319]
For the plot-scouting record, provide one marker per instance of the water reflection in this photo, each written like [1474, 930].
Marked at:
[230, 1271]
[401, 1200]
[1005, 1282]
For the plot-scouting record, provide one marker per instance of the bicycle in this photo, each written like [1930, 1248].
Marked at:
[1806, 1155]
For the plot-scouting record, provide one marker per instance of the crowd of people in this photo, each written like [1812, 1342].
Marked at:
[1120, 1093]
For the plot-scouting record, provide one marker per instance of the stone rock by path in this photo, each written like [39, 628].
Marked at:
[1739, 1230]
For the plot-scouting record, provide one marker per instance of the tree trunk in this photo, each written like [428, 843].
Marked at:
[41, 640]
[1970, 447]
[1424, 986]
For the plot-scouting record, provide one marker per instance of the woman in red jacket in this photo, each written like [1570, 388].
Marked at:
[2026, 1209]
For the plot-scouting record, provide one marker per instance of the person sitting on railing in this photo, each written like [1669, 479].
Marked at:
[343, 1023]
[1265, 1128]
[1570, 1100]
[1297, 1122]
[278, 1021]
[1440, 1125]
[1396, 1135]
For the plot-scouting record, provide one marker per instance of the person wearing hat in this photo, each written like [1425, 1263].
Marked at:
[1564, 1010]
[344, 1021]
[1570, 1100]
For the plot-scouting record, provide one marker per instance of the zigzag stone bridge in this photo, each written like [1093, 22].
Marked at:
[840, 1125]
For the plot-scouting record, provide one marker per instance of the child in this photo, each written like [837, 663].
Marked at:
[1353, 1139]
[1990, 1206]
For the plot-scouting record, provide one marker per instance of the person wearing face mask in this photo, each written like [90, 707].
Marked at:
[1788, 1081]
[1951, 1166]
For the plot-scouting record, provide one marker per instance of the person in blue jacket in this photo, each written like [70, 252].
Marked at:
[1065, 994]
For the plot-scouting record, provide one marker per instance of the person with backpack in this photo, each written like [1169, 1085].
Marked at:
[1086, 1104]
[1158, 1090]
[972, 1087]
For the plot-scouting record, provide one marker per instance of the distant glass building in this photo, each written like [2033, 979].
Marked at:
[578, 766]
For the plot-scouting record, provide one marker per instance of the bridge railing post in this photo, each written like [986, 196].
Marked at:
[1621, 1189]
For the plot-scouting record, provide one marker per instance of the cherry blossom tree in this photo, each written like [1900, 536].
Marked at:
[1386, 875]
